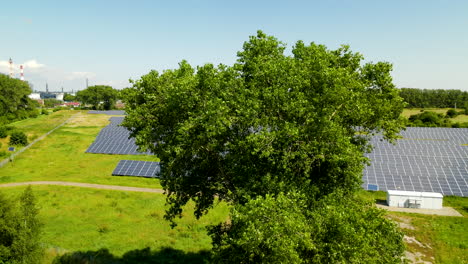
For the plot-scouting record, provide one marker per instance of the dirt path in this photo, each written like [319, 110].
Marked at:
[85, 185]
[446, 211]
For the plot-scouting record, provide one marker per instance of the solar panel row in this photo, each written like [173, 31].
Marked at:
[107, 112]
[137, 168]
[426, 159]
[115, 139]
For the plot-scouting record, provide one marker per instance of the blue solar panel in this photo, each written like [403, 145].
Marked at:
[425, 159]
[372, 187]
[115, 139]
[137, 168]
[11, 149]
[107, 112]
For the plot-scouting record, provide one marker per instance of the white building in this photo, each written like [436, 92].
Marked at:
[425, 200]
[35, 96]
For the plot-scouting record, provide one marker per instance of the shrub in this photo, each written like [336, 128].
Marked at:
[3, 132]
[44, 111]
[451, 113]
[18, 138]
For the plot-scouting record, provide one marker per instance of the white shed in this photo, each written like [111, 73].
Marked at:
[426, 200]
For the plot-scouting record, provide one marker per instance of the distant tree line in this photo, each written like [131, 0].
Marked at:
[425, 98]
[14, 101]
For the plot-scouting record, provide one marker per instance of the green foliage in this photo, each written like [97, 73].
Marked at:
[18, 138]
[44, 111]
[284, 229]
[426, 98]
[264, 230]
[269, 124]
[20, 230]
[429, 119]
[14, 101]
[51, 102]
[3, 132]
[451, 113]
[69, 98]
[100, 96]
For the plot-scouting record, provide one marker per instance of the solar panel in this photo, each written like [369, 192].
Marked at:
[107, 112]
[372, 187]
[115, 139]
[137, 168]
[425, 159]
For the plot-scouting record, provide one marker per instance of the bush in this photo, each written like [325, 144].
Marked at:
[44, 111]
[451, 113]
[18, 138]
[34, 113]
[3, 132]
[429, 119]
[460, 125]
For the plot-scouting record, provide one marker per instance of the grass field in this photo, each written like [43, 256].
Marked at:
[81, 219]
[124, 226]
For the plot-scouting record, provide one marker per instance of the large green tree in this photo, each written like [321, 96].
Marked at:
[267, 125]
[99, 96]
[14, 100]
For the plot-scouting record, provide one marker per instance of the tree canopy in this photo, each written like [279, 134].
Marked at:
[99, 96]
[271, 124]
[14, 100]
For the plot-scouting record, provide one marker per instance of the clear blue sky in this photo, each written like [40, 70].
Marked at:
[108, 42]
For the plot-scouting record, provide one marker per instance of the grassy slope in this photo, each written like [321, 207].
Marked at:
[36, 127]
[80, 219]
[61, 157]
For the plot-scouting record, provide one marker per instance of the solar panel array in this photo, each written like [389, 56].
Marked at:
[425, 159]
[107, 112]
[114, 139]
[137, 168]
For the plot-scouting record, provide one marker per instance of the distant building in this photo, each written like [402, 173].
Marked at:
[72, 104]
[47, 95]
[35, 96]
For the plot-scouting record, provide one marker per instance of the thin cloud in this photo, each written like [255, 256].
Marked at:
[33, 64]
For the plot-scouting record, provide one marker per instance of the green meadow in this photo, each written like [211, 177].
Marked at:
[84, 221]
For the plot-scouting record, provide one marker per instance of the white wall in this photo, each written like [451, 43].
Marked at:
[404, 199]
[35, 96]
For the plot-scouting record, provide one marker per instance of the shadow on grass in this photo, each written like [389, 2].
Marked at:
[142, 256]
